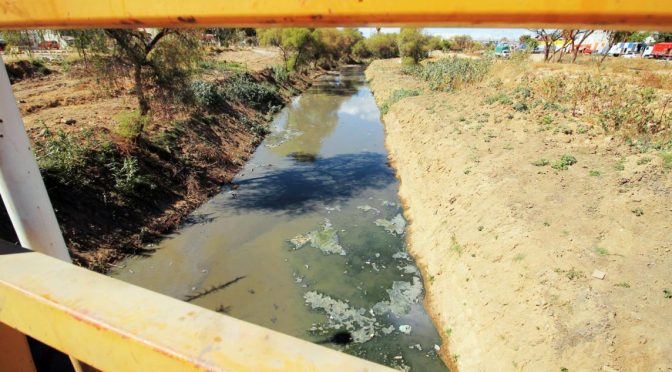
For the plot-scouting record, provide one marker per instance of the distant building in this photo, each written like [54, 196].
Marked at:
[597, 41]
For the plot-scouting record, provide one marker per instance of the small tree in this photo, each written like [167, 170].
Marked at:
[462, 42]
[638, 37]
[383, 45]
[302, 44]
[166, 57]
[227, 36]
[86, 40]
[297, 45]
[412, 45]
[663, 37]
[568, 38]
[581, 35]
[548, 37]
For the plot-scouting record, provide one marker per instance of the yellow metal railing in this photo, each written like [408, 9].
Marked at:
[115, 326]
[643, 14]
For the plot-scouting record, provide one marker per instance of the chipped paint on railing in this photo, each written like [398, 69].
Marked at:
[643, 14]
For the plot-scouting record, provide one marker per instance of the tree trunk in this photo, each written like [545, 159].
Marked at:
[575, 54]
[139, 92]
[546, 52]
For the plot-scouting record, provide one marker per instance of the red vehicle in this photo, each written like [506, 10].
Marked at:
[662, 51]
[49, 45]
[587, 51]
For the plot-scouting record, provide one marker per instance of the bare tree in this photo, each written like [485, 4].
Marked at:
[568, 37]
[584, 34]
[548, 37]
[614, 37]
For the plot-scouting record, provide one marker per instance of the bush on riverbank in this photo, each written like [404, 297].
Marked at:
[449, 74]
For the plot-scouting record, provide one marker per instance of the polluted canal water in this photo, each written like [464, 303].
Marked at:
[310, 240]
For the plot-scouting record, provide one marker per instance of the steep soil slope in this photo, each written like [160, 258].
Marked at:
[509, 247]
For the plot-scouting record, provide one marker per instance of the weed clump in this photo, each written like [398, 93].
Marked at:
[280, 73]
[540, 163]
[450, 74]
[242, 87]
[205, 93]
[500, 98]
[564, 162]
[667, 160]
[601, 251]
[572, 273]
[395, 97]
[130, 124]
[72, 159]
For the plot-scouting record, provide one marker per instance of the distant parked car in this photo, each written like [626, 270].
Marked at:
[659, 51]
[503, 51]
[587, 51]
[49, 44]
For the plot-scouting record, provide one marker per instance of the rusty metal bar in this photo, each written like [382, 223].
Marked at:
[624, 14]
[113, 325]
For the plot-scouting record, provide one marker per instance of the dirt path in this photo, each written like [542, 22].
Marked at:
[254, 59]
[509, 248]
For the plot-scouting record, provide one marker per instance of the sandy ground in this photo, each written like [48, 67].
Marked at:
[509, 248]
[255, 59]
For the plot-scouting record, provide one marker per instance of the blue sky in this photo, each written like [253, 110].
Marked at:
[476, 33]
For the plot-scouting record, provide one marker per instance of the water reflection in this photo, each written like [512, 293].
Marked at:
[305, 188]
[315, 116]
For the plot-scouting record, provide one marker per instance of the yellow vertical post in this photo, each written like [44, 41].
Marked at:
[14, 351]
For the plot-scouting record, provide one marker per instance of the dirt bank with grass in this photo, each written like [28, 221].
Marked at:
[540, 211]
[118, 183]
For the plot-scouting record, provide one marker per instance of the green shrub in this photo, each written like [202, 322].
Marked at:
[205, 93]
[522, 92]
[564, 162]
[667, 160]
[280, 73]
[520, 106]
[501, 98]
[212, 64]
[395, 97]
[130, 124]
[547, 120]
[453, 73]
[126, 176]
[242, 87]
[381, 45]
[413, 45]
[62, 156]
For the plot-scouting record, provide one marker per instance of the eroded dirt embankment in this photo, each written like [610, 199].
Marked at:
[509, 248]
[113, 194]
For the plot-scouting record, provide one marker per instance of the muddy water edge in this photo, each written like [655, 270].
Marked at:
[309, 239]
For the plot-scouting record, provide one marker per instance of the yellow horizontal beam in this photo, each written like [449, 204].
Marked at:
[641, 14]
[112, 325]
